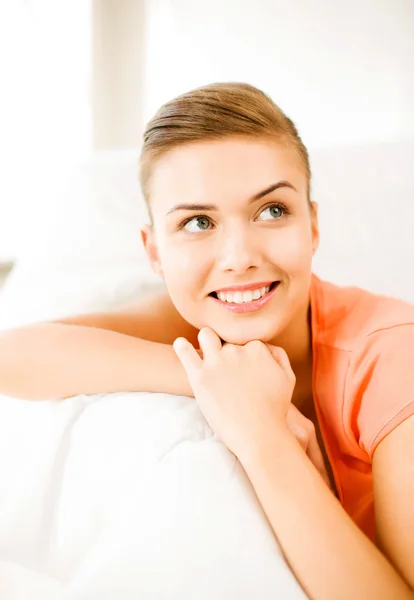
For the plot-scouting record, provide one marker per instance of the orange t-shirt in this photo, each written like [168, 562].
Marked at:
[363, 383]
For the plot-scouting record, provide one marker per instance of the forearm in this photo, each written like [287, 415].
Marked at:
[328, 553]
[52, 361]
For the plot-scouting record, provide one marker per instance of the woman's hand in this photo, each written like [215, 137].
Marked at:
[244, 392]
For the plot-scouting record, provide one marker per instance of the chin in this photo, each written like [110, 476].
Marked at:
[243, 336]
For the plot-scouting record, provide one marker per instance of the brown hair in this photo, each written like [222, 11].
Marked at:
[212, 112]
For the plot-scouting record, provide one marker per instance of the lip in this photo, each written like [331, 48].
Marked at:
[243, 288]
[248, 307]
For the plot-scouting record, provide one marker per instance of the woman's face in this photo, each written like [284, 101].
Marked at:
[231, 219]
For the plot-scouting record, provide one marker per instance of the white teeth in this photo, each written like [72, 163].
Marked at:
[241, 297]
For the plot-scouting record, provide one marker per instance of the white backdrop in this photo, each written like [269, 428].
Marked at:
[343, 71]
[45, 118]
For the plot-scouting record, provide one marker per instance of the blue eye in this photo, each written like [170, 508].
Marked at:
[197, 224]
[274, 212]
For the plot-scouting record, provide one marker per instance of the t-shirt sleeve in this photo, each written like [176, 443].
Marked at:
[380, 382]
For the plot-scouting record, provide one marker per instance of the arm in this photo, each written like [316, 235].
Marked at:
[153, 317]
[96, 353]
[328, 553]
[393, 479]
[244, 393]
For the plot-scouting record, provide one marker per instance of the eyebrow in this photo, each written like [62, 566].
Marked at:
[213, 207]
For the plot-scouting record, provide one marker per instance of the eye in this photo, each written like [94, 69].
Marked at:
[196, 224]
[274, 212]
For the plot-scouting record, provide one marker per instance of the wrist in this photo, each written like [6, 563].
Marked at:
[277, 440]
[173, 379]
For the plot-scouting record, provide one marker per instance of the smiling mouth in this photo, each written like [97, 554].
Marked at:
[244, 297]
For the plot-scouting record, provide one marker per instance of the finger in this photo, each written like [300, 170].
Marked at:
[305, 433]
[298, 426]
[315, 453]
[315, 456]
[188, 355]
[210, 343]
[281, 358]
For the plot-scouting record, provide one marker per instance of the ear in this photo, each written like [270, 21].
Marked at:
[148, 239]
[314, 225]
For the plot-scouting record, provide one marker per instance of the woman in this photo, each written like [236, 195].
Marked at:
[272, 354]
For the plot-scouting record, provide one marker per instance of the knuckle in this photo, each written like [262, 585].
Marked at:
[302, 432]
[302, 436]
[298, 430]
[281, 353]
[229, 349]
[255, 345]
[311, 427]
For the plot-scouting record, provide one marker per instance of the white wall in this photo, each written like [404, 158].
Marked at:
[45, 120]
[118, 28]
[343, 71]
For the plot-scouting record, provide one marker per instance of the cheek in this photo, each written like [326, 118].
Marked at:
[292, 248]
[185, 275]
[185, 269]
[176, 262]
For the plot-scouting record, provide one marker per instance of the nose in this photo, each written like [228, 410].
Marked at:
[239, 250]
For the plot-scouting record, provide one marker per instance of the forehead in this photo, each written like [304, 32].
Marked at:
[221, 170]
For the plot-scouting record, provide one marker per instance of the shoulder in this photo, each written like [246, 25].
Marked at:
[353, 319]
[379, 384]
[367, 341]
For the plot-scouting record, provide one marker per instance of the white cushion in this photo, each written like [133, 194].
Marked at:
[130, 495]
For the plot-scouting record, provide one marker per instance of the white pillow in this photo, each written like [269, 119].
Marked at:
[130, 495]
